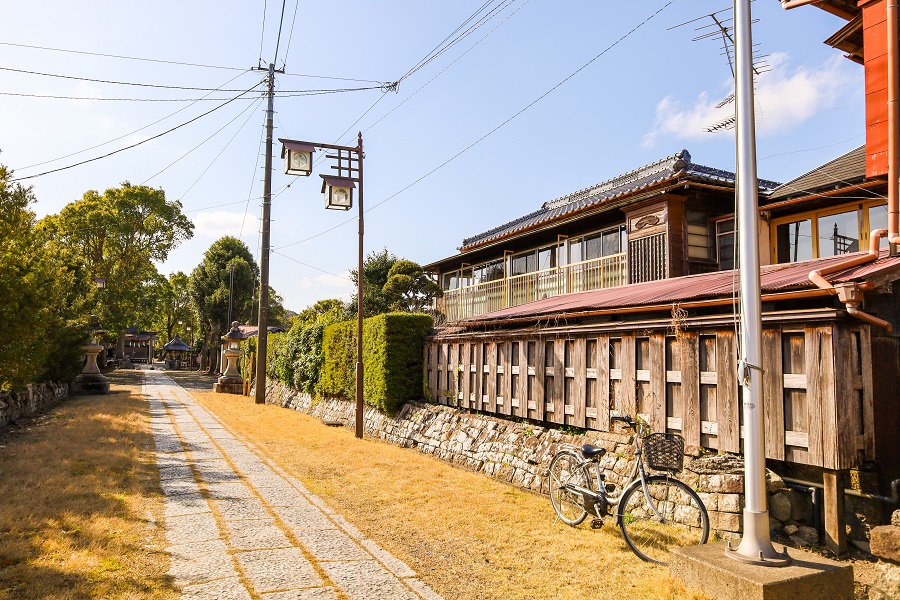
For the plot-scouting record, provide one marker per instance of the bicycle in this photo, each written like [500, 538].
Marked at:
[655, 512]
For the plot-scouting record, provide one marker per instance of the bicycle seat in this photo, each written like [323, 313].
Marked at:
[589, 451]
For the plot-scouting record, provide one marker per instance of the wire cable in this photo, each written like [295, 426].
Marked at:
[154, 60]
[225, 147]
[280, 25]
[159, 135]
[498, 127]
[262, 36]
[311, 266]
[127, 134]
[287, 50]
[217, 132]
[113, 82]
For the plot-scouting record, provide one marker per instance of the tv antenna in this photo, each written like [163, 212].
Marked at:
[719, 26]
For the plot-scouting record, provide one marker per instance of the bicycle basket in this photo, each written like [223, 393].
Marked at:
[664, 452]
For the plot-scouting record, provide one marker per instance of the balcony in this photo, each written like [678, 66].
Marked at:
[469, 301]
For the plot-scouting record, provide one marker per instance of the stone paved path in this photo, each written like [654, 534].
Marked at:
[239, 527]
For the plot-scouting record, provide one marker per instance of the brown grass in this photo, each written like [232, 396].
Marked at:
[467, 535]
[80, 502]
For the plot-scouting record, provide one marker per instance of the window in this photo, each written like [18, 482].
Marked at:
[491, 271]
[725, 244]
[450, 281]
[829, 232]
[697, 234]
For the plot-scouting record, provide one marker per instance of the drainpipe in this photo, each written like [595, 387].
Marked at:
[893, 81]
[851, 293]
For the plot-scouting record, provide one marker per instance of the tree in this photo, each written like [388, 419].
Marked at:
[172, 303]
[41, 293]
[376, 267]
[408, 288]
[208, 289]
[117, 236]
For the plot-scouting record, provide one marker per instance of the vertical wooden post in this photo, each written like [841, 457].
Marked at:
[835, 531]
[728, 413]
[628, 383]
[579, 364]
[773, 393]
[690, 388]
[658, 414]
[603, 383]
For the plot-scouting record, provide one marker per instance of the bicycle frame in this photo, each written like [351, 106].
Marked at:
[637, 473]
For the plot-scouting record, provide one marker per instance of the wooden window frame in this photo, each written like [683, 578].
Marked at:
[862, 209]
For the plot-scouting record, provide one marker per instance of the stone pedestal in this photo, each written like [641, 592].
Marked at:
[706, 569]
[91, 381]
[231, 381]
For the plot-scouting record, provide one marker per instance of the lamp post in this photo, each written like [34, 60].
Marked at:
[338, 190]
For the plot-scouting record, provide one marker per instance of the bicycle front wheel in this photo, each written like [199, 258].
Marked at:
[680, 518]
[567, 468]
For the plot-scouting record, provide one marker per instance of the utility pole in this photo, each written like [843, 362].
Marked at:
[756, 542]
[262, 334]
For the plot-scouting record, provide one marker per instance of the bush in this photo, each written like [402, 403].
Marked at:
[393, 344]
[296, 357]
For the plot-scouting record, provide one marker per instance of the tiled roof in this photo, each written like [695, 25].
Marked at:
[773, 278]
[677, 166]
[845, 169]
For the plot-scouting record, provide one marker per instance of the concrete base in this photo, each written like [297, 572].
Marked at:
[228, 388]
[90, 384]
[706, 569]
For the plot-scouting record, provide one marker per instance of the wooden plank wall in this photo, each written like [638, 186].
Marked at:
[817, 385]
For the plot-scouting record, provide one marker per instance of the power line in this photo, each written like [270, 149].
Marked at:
[109, 81]
[262, 36]
[225, 147]
[217, 132]
[285, 94]
[287, 50]
[280, 24]
[311, 266]
[138, 143]
[498, 127]
[154, 60]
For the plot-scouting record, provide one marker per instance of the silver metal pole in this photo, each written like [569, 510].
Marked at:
[263, 330]
[756, 543]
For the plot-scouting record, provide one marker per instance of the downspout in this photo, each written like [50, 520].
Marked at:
[893, 81]
[851, 293]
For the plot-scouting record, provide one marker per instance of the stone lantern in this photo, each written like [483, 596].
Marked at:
[231, 381]
[91, 380]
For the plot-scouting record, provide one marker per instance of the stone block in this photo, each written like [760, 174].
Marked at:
[895, 518]
[732, 484]
[730, 503]
[722, 521]
[885, 542]
[706, 569]
[780, 506]
[886, 585]
[710, 501]
[791, 529]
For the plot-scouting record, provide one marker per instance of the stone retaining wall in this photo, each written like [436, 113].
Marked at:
[30, 401]
[520, 453]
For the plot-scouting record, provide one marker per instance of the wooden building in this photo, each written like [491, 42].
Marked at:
[644, 322]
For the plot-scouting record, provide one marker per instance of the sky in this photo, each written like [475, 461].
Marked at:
[542, 100]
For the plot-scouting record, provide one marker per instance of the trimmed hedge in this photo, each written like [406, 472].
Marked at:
[393, 346]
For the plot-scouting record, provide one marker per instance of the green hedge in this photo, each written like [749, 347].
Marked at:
[393, 345]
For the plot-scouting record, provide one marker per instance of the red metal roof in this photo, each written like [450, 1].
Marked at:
[773, 278]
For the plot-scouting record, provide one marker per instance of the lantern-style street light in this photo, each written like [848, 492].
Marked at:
[338, 189]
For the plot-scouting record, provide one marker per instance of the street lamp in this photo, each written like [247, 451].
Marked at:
[338, 190]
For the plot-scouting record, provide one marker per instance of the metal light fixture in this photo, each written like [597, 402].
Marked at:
[338, 192]
[181, 321]
[297, 157]
[100, 282]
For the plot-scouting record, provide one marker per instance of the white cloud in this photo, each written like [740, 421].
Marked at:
[785, 98]
[215, 224]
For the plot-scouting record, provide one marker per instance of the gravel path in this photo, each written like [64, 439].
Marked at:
[239, 527]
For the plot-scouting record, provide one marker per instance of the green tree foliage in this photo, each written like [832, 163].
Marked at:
[117, 236]
[408, 289]
[392, 353]
[42, 291]
[171, 303]
[296, 357]
[376, 267]
[208, 288]
[392, 284]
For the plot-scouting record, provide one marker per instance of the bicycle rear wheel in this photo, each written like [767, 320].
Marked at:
[684, 520]
[566, 467]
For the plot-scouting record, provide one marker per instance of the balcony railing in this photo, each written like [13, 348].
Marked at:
[480, 298]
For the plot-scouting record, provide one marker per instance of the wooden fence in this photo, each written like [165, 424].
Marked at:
[817, 384]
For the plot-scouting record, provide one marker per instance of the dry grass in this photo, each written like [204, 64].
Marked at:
[467, 535]
[80, 502]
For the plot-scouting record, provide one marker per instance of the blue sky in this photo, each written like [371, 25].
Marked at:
[647, 97]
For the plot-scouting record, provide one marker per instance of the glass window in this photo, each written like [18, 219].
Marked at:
[725, 244]
[451, 280]
[838, 234]
[575, 250]
[697, 234]
[546, 258]
[612, 241]
[794, 241]
[592, 247]
[878, 220]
